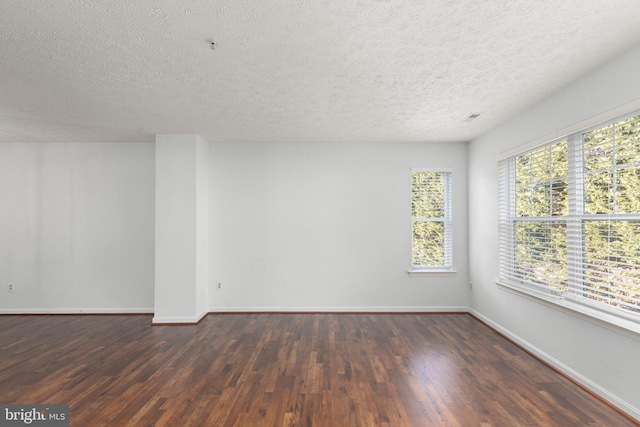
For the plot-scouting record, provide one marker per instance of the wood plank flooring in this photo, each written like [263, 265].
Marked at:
[287, 370]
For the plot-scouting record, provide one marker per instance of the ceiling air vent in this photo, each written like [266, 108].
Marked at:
[471, 117]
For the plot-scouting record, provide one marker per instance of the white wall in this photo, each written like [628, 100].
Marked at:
[602, 358]
[202, 226]
[311, 226]
[326, 227]
[182, 219]
[76, 227]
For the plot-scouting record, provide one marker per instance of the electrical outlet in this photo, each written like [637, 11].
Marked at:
[11, 287]
[470, 285]
[219, 286]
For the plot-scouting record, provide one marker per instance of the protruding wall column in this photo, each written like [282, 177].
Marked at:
[182, 218]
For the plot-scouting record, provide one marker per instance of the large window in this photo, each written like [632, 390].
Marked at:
[431, 219]
[570, 218]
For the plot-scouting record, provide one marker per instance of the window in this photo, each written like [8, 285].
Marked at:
[431, 220]
[569, 218]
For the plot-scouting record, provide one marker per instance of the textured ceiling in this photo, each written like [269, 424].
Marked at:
[293, 70]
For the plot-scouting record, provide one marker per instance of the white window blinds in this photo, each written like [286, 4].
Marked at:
[431, 219]
[569, 217]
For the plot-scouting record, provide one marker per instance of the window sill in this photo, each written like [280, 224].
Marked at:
[609, 320]
[418, 273]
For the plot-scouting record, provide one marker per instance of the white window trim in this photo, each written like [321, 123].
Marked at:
[438, 271]
[431, 272]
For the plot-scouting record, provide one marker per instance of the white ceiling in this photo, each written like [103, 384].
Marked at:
[293, 70]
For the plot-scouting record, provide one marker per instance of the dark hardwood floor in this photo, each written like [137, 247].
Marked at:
[287, 369]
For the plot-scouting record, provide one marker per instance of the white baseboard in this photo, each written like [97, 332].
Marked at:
[417, 309]
[584, 381]
[145, 310]
[190, 320]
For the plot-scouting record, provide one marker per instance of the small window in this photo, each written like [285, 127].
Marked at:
[431, 220]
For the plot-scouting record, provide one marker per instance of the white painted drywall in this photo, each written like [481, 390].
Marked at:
[181, 245]
[605, 359]
[202, 226]
[327, 227]
[76, 227]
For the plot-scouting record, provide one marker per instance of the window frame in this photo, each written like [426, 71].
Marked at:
[577, 298]
[447, 267]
